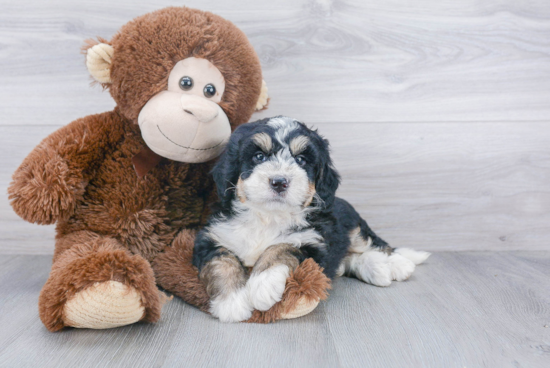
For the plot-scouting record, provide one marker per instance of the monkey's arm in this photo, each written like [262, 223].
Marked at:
[51, 179]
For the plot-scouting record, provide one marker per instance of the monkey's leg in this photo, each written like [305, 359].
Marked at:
[96, 283]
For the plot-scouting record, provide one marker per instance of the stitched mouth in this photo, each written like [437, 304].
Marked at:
[191, 148]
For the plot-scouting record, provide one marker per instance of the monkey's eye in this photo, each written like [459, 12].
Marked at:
[186, 83]
[259, 157]
[209, 90]
[300, 160]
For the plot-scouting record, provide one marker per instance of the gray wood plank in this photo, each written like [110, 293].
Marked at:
[454, 186]
[473, 309]
[461, 310]
[324, 61]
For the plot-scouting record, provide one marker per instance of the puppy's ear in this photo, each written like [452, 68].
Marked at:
[328, 179]
[227, 170]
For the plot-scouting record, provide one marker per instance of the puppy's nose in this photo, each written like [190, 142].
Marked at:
[279, 184]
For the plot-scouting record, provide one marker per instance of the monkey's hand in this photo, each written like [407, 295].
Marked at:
[49, 183]
[44, 188]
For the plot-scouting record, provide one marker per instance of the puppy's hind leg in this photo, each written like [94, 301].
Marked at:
[372, 260]
[366, 263]
[416, 256]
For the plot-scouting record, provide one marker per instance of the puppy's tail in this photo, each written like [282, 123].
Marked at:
[416, 256]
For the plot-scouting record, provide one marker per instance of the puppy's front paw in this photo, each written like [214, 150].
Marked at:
[372, 267]
[267, 287]
[234, 307]
[401, 267]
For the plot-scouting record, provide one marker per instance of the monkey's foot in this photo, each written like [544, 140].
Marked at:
[104, 305]
[98, 284]
[302, 307]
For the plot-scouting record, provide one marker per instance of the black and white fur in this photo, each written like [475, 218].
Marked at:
[276, 185]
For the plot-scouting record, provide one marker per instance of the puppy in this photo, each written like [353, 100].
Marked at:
[276, 186]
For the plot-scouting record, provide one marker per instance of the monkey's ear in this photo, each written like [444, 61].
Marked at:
[98, 62]
[261, 104]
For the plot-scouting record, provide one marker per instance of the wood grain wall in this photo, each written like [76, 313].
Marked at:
[438, 112]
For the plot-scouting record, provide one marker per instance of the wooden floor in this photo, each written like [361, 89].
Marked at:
[438, 113]
[468, 309]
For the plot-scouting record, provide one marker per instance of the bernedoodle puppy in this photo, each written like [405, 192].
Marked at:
[276, 185]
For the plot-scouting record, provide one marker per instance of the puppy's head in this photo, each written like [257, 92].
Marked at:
[276, 163]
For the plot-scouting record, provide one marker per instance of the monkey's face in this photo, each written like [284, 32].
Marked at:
[186, 76]
[185, 122]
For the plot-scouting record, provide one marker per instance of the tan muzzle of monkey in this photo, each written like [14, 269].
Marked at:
[185, 128]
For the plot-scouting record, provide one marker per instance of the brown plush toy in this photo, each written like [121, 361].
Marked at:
[128, 188]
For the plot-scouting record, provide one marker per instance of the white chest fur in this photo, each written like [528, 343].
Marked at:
[251, 232]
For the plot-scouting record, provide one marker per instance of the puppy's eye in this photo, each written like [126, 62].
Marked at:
[259, 157]
[186, 83]
[300, 160]
[209, 90]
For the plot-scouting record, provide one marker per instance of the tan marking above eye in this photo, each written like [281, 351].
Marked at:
[298, 144]
[263, 140]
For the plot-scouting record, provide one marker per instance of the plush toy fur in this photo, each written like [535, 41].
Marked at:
[119, 233]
